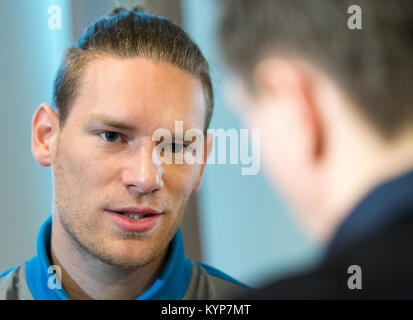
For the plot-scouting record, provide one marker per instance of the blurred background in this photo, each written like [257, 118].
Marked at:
[235, 222]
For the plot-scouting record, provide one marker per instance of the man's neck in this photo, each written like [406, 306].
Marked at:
[84, 277]
[359, 174]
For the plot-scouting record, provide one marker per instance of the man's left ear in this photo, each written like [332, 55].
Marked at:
[208, 146]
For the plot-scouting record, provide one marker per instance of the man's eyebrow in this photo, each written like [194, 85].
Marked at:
[110, 122]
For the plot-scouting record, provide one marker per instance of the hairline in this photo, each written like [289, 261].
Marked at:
[92, 54]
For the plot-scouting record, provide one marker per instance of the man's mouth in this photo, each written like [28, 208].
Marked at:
[135, 218]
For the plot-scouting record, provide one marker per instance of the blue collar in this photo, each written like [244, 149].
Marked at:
[171, 284]
[386, 204]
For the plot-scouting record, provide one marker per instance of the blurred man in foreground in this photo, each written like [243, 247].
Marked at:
[334, 105]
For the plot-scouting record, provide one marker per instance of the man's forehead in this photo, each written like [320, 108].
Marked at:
[141, 71]
[116, 89]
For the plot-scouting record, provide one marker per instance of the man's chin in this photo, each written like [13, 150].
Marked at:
[126, 263]
[126, 252]
[122, 257]
[121, 248]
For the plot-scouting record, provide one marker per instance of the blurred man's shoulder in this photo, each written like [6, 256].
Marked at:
[377, 266]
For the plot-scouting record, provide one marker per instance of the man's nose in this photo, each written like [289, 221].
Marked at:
[142, 174]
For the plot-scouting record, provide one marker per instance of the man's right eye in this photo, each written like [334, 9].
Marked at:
[110, 136]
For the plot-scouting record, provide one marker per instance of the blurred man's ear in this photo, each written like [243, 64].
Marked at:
[290, 86]
[208, 146]
[45, 125]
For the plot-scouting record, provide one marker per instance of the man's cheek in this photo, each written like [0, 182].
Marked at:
[189, 176]
[82, 168]
[83, 157]
[178, 180]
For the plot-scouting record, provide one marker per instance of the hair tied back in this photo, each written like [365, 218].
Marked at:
[138, 8]
[135, 9]
[116, 11]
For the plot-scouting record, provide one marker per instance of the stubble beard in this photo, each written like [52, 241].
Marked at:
[93, 244]
[107, 255]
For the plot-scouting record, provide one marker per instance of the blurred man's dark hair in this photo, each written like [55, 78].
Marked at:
[373, 65]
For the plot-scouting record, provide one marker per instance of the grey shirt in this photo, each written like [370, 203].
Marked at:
[202, 286]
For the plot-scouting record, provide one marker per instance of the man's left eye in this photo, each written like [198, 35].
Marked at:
[110, 136]
[177, 148]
